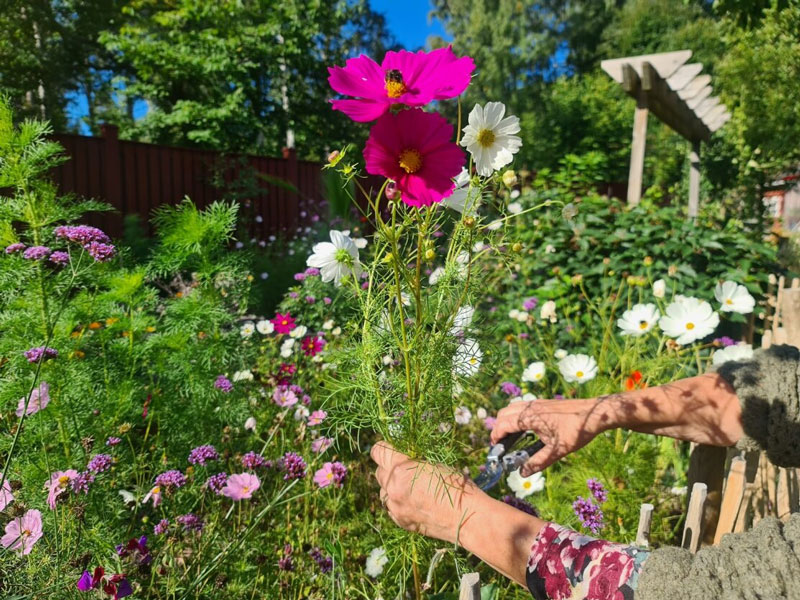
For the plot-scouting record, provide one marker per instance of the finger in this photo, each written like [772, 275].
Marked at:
[380, 475]
[384, 496]
[384, 454]
[540, 461]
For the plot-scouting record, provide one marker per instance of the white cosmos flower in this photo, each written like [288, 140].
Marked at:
[467, 359]
[525, 486]
[515, 208]
[638, 320]
[298, 332]
[462, 259]
[250, 424]
[247, 329]
[301, 414]
[336, 330]
[327, 325]
[659, 288]
[734, 298]
[688, 320]
[527, 397]
[548, 311]
[265, 327]
[245, 375]
[738, 352]
[462, 320]
[534, 372]
[522, 316]
[481, 413]
[479, 246]
[495, 225]
[513, 313]
[287, 347]
[578, 368]
[360, 243]
[463, 199]
[463, 415]
[560, 353]
[335, 259]
[514, 194]
[375, 561]
[490, 138]
[436, 275]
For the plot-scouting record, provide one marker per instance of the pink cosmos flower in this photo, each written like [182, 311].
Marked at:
[408, 78]
[283, 323]
[313, 345]
[415, 149]
[317, 417]
[284, 396]
[59, 482]
[321, 444]
[23, 532]
[241, 486]
[155, 494]
[330, 473]
[6, 497]
[40, 397]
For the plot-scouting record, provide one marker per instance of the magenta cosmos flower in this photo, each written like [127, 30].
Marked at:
[23, 532]
[409, 78]
[415, 149]
[241, 486]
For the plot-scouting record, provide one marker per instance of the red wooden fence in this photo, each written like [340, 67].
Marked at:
[135, 178]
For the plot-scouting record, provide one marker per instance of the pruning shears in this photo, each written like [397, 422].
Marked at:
[502, 460]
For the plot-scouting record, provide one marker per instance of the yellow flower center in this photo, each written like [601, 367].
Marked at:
[410, 160]
[579, 374]
[329, 476]
[690, 326]
[26, 532]
[473, 361]
[156, 490]
[538, 376]
[246, 489]
[486, 138]
[728, 301]
[63, 480]
[527, 485]
[284, 322]
[642, 324]
[395, 89]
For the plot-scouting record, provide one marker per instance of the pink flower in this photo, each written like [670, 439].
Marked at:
[317, 417]
[241, 486]
[6, 497]
[155, 494]
[409, 78]
[23, 532]
[283, 323]
[284, 396]
[39, 399]
[313, 345]
[489, 422]
[415, 149]
[330, 473]
[321, 444]
[59, 481]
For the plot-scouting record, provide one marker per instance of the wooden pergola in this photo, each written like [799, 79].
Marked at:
[680, 97]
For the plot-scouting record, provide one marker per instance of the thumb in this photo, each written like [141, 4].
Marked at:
[539, 461]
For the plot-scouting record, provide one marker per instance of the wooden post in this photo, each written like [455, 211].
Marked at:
[470, 587]
[112, 178]
[694, 179]
[693, 530]
[645, 518]
[637, 150]
[731, 499]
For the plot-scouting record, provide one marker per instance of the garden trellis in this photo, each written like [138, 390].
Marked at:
[680, 97]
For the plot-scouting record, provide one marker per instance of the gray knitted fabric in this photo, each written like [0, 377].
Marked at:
[764, 563]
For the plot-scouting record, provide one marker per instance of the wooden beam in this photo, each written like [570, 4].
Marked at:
[714, 113]
[695, 100]
[706, 106]
[667, 106]
[683, 76]
[697, 84]
[666, 63]
[639, 138]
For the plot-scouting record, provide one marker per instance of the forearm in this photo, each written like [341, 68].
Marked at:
[703, 409]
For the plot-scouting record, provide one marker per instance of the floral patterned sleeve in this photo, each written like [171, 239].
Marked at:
[565, 564]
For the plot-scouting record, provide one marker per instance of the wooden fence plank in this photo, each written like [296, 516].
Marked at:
[470, 587]
[693, 530]
[731, 499]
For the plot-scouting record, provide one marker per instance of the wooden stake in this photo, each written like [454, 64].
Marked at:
[731, 499]
[694, 180]
[693, 529]
[470, 587]
[645, 518]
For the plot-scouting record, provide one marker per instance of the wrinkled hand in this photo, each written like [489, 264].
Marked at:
[430, 499]
[564, 426]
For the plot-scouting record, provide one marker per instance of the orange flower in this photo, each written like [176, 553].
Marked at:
[634, 381]
[95, 325]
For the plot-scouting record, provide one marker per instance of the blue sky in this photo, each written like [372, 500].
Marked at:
[408, 21]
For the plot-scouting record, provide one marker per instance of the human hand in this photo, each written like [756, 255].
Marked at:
[433, 500]
[563, 426]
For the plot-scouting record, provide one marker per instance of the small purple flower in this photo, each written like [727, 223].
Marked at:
[294, 295]
[100, 463]
[310, 299]
[252, 461]
[203, 454]
[325, 563]
[509, 388]
[312, 272]
[161, 527]
[524, 336]
[590, 515]
[299, 276]
[327, 300]
[59, 258]
[113, 441]
[171, 479]
[725, 341]
[598, 491]
[100, 252]
[293, 465]
[530, 303]
[285, 563]
[81, 234]
[17, 247]
[43, 353]
[82, 482]
[216, 482]
[520, 505]
[36, 253]
[223, 384]
[191, 522]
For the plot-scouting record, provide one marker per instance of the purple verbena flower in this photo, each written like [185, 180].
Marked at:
[17, 247]
[590, 515]
[100, 252]
[34, 355]
[725, 341]
[36, 253]
[520, 505]
[215, 483]
[299, 276]
[82, 482]
[509, 388]
[191, 522]
[161, 527]
[285, 563]
[252, 461]
[81, 234]
[203, 454]
[100, 463]
[312, 272]
[223, 384]
[171, 479]
[598, 491]
[294, 295]
[325, 563]
[327, 300]
[293, 465]
[310, 299]
[59, 258]
[530, 303]
[113, 441]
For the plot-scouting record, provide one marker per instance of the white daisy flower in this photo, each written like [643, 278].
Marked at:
[463, 199]
[638, 320]
[467, 359]
[265, 327]
[463, 415]
[462, 320]
[525, 486]
[734, 298]
[490, 138]
[376, 560]
[534, 372]
[548, 311]
[578, 368]
[560, 353]
[659, 288]
[688, 320]
[738, 352]
[298, 332]
[335, 259]
[515, 208]
[328, 325]
[436, 275]
[245, 375]
[247, 329]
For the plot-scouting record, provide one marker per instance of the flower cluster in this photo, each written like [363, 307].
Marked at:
[330, 473]
[203, 454]
[96, 243]
[42, 353]
[293, 466]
